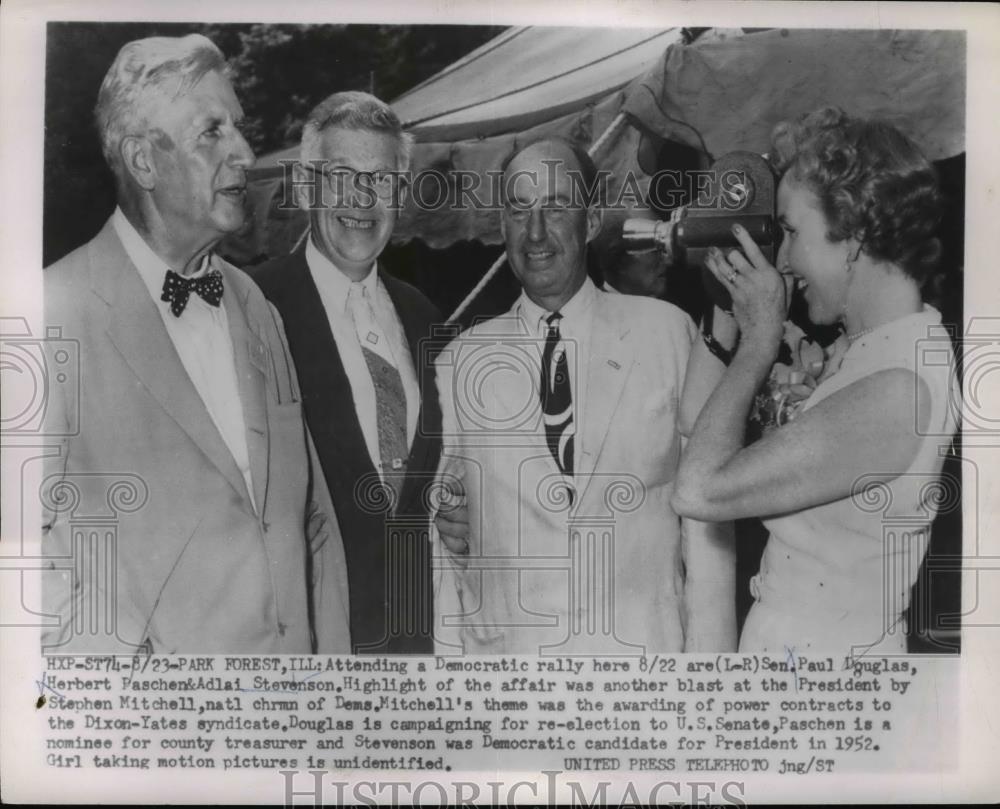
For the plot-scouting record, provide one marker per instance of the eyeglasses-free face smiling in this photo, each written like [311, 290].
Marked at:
[819, 265]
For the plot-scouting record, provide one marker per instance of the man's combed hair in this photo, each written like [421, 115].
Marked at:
[148, 73]
[872, 182]
[357, 111]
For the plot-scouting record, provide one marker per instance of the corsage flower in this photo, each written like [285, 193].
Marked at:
[801, 366]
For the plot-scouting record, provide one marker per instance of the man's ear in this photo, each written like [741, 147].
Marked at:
[136, 154]
[595, 219]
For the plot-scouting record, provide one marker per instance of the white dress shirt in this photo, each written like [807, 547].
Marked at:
[201, 337]
[334, 286]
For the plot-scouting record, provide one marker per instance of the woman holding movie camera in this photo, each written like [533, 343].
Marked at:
[858, 206]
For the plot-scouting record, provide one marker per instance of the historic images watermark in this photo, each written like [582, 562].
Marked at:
[320, 788]
[432, 189]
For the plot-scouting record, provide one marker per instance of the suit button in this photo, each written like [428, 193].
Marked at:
[266, 526]
[281, 629]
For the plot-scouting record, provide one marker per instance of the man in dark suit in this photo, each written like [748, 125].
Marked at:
[355, 334]
[182, 428]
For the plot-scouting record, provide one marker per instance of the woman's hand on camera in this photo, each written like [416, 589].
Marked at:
[759, 292]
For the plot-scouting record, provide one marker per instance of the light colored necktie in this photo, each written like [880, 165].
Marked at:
[370, 334]
[390, 396]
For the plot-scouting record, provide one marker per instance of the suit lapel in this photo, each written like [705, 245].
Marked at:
[250, 355]
[413, 327]
[136, 329]
[609, 366]
[326, 389]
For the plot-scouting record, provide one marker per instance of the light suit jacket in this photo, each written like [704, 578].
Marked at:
[613, 572]
[150, 537]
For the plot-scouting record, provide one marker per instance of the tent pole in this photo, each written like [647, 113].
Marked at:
[612, 129]
[495, 268]
[301, 239]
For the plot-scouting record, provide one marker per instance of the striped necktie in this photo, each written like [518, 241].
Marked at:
[557, 400]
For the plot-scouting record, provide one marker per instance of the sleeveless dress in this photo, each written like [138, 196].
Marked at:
[836, 577]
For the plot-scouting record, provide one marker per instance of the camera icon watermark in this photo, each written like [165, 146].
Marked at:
[972, 358]
[34, 370]
[492, 378]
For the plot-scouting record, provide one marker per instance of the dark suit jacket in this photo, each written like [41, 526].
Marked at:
[388, 555]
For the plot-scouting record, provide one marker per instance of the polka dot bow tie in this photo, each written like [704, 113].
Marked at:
[177, 289]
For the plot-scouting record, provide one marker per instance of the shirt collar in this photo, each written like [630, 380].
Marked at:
[331, 280]
[573, 311]
[151, 267]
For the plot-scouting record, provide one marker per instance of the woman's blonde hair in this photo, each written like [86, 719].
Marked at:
[873, 184]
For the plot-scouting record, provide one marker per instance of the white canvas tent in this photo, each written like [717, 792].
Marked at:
[722, 91]
[467, 116]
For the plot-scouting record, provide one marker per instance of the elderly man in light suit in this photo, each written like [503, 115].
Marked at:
[186, 396]
[560, 421]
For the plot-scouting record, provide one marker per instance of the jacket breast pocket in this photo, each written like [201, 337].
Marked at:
[284, 418]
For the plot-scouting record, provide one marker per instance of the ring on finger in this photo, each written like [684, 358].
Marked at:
[732, 277]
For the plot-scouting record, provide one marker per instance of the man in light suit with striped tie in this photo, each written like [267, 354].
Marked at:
[560, 423]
